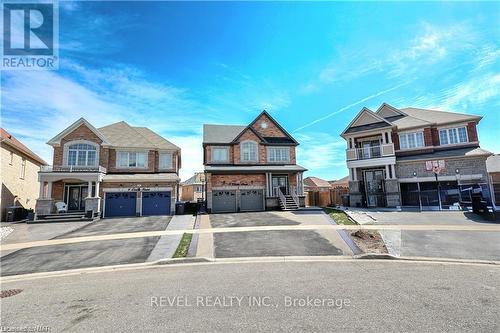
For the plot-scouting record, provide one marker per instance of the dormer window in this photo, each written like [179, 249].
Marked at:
[248, 150]
[81, 154]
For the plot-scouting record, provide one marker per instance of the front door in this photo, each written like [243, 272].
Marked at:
[75, 198]
[280, 182]
[374, 185]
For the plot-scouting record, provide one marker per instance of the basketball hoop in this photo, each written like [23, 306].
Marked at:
[436, 169]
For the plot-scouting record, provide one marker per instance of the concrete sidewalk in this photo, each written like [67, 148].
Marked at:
[166, 246]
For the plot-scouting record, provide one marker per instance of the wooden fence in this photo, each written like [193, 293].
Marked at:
[326, 198]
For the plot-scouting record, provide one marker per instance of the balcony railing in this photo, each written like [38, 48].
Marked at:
[72, 168]
[370, 152]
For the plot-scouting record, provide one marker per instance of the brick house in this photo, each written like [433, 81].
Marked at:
[116, 170]
[252, 167]
[393, 156]
[193, 189]
[19, 170]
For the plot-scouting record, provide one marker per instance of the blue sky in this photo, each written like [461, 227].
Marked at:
[313, 65]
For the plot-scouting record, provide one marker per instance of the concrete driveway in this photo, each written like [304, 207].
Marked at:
[475, 245]
[89, 254]
[275, 243]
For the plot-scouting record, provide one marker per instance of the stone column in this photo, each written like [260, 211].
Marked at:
[42, 190]
[49, 190]
[387, 174]
[89, 190]
[393, 169]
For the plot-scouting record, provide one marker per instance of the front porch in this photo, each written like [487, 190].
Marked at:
[77, 187]
[375, 186]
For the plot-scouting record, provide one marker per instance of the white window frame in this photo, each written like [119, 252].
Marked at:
[213, 148]
[128, 152]
[447, 131]
[242, 151]
[414, 135]
[70, 143]
[168, 167]
[23, 169]
[272, 159]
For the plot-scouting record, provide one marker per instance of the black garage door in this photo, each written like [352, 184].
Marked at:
[120, 204]
[251, 200]
[224, 201]
[156, 203]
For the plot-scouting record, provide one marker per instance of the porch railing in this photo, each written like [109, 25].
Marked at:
[72, 168]
[279, 192]
[370, 152]
[295, 197]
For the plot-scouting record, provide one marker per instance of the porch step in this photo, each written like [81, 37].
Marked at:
[66, 219]
[61, 216]
[288, 203]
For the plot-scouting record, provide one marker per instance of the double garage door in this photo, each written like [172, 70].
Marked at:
[227, 201]
[125, 203]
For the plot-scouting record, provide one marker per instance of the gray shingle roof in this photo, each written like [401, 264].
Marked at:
[221, 133]
[123, 135]
[460, 152]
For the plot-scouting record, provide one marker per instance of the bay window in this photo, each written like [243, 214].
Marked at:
[131, 159]
[278, 154]
[411, 140]
[449, 136]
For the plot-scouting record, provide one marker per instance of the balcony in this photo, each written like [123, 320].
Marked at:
[366, 153]
[71, 168]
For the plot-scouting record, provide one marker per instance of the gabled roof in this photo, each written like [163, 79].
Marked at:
[56, 141]
[265, 113]
[227, 134]
[406, 118]
[251, 129]
[198, 178]
[316, 182]
[386, 111]
[342, 182]
[366, 119]
[8, 139]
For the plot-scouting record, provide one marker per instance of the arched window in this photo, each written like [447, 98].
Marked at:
[82, 154]
[248, 151]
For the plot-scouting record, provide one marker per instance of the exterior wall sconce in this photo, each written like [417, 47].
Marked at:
[457, 171]
[414, 174]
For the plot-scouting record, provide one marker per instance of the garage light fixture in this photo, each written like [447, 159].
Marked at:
[414, 174]
[457, 171]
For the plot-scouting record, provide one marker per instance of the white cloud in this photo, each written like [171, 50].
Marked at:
[322, 152]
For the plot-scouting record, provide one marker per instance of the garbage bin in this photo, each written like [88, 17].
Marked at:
[16, 213]
[345, 200]
[180, 207]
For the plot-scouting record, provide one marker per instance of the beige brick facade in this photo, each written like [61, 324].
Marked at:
[18, 189]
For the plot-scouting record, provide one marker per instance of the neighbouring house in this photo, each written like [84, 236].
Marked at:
[493, 168]
[340, 183]
[115, 170]
[324, 193]
[316, 184]
[20, 166]
[251, 167]
[414, 157]
[193, 189]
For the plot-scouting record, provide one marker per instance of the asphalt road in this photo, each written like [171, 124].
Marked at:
[353, 296]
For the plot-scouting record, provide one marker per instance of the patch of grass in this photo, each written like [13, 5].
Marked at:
[339, 216]
[183, 247]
